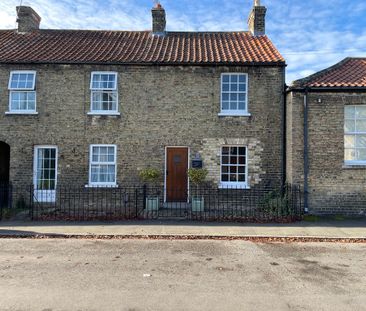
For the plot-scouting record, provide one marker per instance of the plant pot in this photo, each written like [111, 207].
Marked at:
[152, 203]
[198, 204]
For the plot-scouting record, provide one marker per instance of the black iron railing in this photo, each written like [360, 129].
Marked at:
[206, 203]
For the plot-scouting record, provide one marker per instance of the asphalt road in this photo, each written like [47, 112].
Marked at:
[180, 275]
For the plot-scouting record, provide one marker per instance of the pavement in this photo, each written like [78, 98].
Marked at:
[136, 275]
[327, 229]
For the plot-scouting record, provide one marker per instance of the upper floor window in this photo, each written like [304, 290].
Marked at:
[104, 95]
[234, 167]
[102, 165]
[234, 94]
[355, 135]
[22, 97]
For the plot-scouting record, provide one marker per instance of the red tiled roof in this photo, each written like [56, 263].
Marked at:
[351, 72]
[136, 47]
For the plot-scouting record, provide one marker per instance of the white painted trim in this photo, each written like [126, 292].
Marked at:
[22, 72]
[104, 73]
[232, 113]
[24, 112]
[103, 113]
[235, 112]
[110, 90]
[51, 194]
[235, 185]
[101, 185]
[165, 168]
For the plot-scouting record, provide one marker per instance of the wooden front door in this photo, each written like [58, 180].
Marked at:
[176, 174]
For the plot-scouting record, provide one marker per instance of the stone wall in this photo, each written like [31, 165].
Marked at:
[333, 186]
[159, 106]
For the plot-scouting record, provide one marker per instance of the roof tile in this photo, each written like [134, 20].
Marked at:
[136, 47]
[351, 72]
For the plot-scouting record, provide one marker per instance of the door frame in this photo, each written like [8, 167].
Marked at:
[166, 164]
[51, 197]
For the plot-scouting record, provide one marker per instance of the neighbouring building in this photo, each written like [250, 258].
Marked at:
[326, 138]
[92, 108]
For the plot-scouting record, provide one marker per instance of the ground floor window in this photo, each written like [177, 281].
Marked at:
[355, 135]
[102, 170]
[234, 169]
[45, 177]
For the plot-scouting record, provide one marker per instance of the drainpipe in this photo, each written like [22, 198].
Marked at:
[306, 151]
[284, 136]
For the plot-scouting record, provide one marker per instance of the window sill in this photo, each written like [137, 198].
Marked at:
[21, 113]
[228, 114]
[354, 166]
[104, 114]
[101, 186]
[233, 186]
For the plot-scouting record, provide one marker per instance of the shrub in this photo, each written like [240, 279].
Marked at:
[149, 175]
[197, 175]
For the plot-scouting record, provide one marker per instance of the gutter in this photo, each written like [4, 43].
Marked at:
[306, 152]
[326, 89]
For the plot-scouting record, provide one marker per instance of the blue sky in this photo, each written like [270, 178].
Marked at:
[310, 34]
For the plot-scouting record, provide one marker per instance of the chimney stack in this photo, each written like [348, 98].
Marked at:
[257, 19]
[158, 19]
[27, 19]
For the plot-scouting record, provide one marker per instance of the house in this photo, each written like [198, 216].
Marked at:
[92, 108]
[326, 138]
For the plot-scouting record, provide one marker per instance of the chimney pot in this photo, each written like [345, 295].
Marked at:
[158, 19]
[257, 19]
[27, 19]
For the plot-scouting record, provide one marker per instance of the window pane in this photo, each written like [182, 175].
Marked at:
[233, 160]
[233, 105]
[224, 177]
[349, 141]
[225, 169]
[361, 141]
[349, 112]
[242, 78]
[349, 126]
[360, 125]
[234, 79]
[242, 160]
[226, 87]
[242, 105]
[225, 150]
[350, 154]
[233, 178]
[226, 78]
[234, 150]
[241, 178]
[225, 96]
[225, 160]
[361, 156]
[225, 105]
[241, 170]
[233, 97]
[361, 112]
[233, 169]
[234, 87]
[242, 88]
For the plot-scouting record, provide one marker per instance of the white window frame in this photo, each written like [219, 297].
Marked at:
[44, 195]
[235, 184]
[105, 184]
[236, 112]
[107, 90]
[22, 90]
[353, 162]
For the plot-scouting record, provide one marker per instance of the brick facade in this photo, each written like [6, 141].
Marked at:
[160, 106]
[333, 186]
